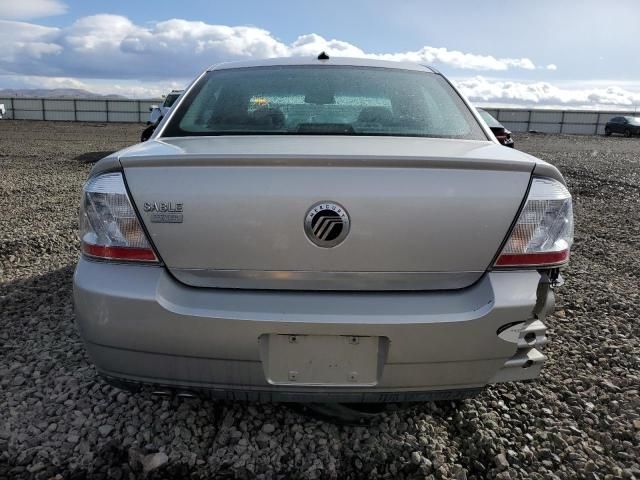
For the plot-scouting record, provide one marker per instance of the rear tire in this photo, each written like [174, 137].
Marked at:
[607, 132]
[627, 133]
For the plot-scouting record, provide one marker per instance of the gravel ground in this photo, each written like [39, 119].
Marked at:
[58, 420]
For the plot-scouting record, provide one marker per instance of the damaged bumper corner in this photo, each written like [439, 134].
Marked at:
[528, 360]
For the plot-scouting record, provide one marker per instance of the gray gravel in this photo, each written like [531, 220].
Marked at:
[58, 420]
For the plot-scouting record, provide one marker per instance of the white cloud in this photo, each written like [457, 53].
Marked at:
[111, 54]
[456, 59]
[27, 9]
[26, 46]
[127, 88]
[111, 46]
[480, 89]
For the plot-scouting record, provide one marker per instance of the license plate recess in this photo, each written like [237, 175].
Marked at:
[322, 360]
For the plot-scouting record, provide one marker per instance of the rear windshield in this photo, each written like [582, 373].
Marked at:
[334, 100]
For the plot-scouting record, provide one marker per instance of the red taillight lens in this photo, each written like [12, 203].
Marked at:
[119, 253]
[543, 234]
[521, 259]
[109, 226]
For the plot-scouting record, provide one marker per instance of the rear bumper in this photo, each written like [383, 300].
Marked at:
[140, 325]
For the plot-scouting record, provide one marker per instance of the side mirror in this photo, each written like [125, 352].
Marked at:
[497, 130]
[147, 132]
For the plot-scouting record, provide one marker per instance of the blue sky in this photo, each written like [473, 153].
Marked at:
[578, 53]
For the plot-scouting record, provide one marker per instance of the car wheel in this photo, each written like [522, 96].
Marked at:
[627, 133]
[607, 131]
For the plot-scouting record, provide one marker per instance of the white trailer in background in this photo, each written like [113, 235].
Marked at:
[2, 110]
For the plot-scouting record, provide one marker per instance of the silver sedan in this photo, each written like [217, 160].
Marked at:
[320, 229]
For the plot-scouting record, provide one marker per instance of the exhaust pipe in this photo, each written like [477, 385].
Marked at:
[162, 393]
[186, 395]
[170, 393]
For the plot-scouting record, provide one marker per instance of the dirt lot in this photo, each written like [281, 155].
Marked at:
[58, 420]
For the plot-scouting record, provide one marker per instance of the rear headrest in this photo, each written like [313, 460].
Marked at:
[375, 115]
[268, 117]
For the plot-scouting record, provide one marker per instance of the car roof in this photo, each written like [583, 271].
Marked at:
[313, 60]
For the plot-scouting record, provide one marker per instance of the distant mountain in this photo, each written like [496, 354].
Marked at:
[54, 93]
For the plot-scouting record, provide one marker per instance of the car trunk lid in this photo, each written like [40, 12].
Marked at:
[229, 211]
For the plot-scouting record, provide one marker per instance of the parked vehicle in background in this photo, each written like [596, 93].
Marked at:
[626, 125]
[325, 230]
[500, 131]
[2, 110]
[147, 132]
[157, 112]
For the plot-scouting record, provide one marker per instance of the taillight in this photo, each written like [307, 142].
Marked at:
[109, 226]
[543, 234]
